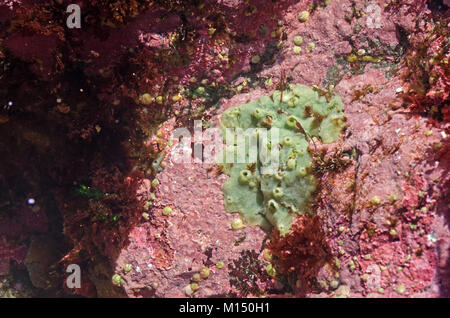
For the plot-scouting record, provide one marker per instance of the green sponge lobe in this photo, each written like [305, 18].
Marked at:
[272, 199]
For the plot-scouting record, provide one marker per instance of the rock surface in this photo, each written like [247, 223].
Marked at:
[382, 205]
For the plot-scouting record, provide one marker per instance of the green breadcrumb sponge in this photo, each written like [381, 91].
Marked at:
[273, 199]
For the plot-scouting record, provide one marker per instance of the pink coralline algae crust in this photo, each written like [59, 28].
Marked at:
[169, 250]
[426, 67]
[407, 257]
[394, 156]
[9, 253]
[38, 45]
[14, 233]
[395, 235]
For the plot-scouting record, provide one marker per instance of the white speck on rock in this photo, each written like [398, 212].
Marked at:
[432, 237]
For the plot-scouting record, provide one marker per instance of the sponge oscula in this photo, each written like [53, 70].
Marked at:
[263, 193]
